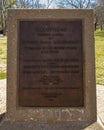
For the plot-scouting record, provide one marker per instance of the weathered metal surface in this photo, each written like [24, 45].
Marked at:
[50, 63]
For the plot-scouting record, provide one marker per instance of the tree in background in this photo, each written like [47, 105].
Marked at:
[44, 4]
[30, 4]
[4, 5]
[99, 16]
[100, 2]
[74, 3]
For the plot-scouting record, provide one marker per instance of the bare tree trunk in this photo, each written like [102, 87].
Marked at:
[101, 27]
[96, 22]
[95, 26]
[3, 17]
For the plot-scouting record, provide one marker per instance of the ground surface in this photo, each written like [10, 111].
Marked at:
[100, 100]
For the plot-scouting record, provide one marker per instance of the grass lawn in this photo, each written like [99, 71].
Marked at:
[3, 56]
[99, 46]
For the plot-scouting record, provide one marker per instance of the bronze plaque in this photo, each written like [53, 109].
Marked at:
[50, 63]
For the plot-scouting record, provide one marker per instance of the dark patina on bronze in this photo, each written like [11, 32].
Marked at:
[50, 63]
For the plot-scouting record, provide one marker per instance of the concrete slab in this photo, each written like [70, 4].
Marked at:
[49, 126]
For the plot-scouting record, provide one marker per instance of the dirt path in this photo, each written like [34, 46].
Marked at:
[2, 96]
[100, 103]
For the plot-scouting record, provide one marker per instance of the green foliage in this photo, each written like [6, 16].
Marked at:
[99, 44]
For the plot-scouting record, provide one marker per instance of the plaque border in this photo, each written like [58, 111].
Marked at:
[82, 60]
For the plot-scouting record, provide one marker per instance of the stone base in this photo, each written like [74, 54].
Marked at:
[31, 125]
[7, 125]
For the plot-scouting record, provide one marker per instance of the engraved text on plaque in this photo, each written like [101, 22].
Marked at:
[50, 63]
